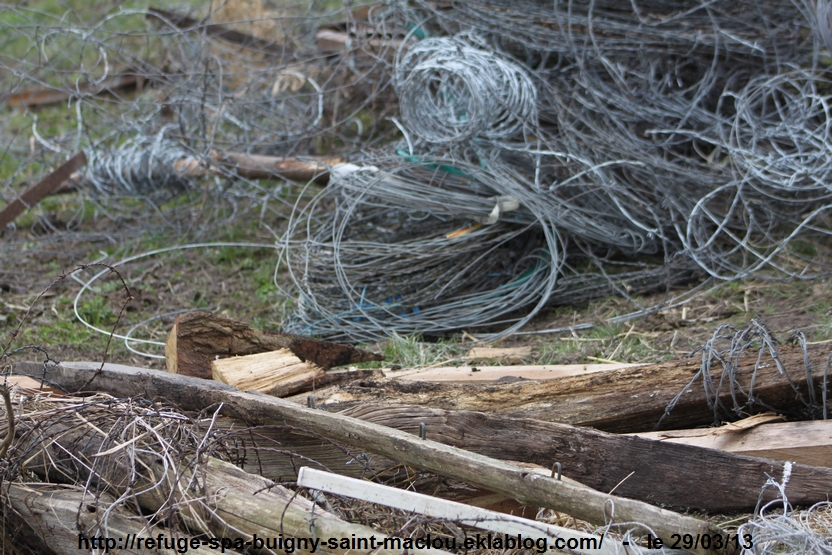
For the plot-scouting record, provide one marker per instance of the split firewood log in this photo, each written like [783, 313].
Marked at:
[198, 338]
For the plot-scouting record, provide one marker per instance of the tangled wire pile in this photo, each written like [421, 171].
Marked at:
[376, 261]
[470, 92]
[697, 134]
[779, 529]
[140, 88]
[505, 156]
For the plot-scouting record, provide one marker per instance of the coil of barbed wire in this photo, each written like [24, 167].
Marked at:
[414, 246]
[141, 167]
[449, 92]
[780, 135]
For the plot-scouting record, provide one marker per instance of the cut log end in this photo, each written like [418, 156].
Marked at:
[277, 373]
[199, 338]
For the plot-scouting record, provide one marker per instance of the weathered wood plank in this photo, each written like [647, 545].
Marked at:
[659, 472]
[626, 400]
[803, 442]
[474, 373]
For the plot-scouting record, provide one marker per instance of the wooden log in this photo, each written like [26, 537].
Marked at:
[257, 166]
[502, 504]
[627, 400]
[198, 338]
[803, 442]
[66, 519]
[527, 487]
[277, 452]
[658, 472]
[279, 373]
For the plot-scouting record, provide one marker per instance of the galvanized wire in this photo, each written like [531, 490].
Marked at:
[779, 528]
[693, 133]
[415, 245]
[450, 92]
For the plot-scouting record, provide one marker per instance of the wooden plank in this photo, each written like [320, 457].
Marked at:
[475, 373]
[657, 472]
[500, 477]
[803, 442]
[627, 400]
[41, 189]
